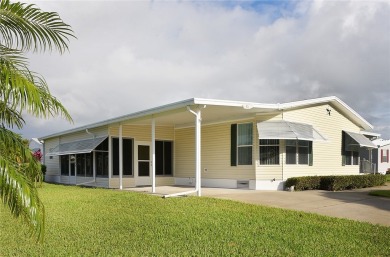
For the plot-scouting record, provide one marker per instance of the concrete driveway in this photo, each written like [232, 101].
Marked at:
[351, 204]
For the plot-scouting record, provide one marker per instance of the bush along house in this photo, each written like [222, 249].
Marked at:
[212, 143]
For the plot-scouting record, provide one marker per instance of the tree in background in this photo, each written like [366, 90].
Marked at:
[25, 28]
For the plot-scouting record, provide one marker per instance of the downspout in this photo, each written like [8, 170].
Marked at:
[90, 133]
[197, 190]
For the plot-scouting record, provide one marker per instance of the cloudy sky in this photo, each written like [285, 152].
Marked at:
[133, 55]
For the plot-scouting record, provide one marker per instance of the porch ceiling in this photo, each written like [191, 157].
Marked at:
[182, 117]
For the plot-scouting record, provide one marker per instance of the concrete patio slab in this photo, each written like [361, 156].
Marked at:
[351, 204]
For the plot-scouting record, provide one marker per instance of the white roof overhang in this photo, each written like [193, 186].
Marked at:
[76, 147]
[177, 114]
[288, 130]
[356, 139]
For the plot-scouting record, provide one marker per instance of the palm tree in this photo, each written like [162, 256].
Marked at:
[25, 28]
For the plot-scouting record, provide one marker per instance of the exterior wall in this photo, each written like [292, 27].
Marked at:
[215, 156]
[53, 172]
[81, 135]
[52, 163]
[327, 159]
[143, 132]
[383, 166]
[216, 142]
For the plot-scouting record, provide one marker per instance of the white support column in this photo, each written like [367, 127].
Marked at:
[153, 155]
[198, 152]
[120, 158]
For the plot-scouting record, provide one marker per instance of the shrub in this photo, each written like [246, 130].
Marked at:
[388, 171]
[336, 183]
[43, 169]
[304, 183]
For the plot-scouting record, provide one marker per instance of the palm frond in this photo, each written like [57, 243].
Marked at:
[21, 89]
[19, 193]
[27, 27]
[9, 117]
[14, 149]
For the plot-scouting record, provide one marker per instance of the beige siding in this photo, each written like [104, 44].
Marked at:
[185, 152]
[326, 155]
[143, 132]
[81, 135]
[215, 154]
[165, 181]
[52, 163]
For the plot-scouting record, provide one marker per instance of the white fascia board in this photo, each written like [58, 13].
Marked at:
[145, 113]
[370, 133]
[331, 99]
[229, 103]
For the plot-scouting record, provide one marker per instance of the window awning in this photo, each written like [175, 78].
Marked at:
[288, 130]
[77, 147]
[355, 140]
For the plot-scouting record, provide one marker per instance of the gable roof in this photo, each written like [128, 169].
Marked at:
[247, 107]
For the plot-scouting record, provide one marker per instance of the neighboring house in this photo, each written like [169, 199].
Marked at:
[381, 155]
[226, 144]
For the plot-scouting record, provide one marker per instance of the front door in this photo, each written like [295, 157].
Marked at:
[143, 167]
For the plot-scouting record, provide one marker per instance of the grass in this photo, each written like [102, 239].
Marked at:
[101, 222]
[383, 193]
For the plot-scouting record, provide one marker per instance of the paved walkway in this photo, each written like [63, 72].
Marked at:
[350, 204]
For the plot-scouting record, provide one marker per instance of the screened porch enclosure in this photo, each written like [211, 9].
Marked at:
[82, 162]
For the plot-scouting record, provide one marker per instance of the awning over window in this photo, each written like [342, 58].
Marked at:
[353, 141]
[288, 130]
[77, 147]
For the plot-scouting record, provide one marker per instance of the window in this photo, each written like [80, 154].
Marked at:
[269, 151]
[298, 152]
[241, 144]
[64, 159]
[164, 153]
[351, 158]
[127, 156]
[84, 165]
[384, 155]
[80, 164]
[101, 159]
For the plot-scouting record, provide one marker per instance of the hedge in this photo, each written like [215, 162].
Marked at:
[335, 183]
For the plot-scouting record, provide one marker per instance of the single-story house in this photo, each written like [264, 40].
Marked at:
[381, 155]
[212, 143]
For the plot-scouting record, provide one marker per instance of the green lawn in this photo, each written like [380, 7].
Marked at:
[92, 222]
[383, 193]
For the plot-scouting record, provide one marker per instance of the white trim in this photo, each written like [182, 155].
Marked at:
[206, 182]
[219, 183]
[141, 180]
[166, 109]
[153, 155]
[369, 133]
[275, 185]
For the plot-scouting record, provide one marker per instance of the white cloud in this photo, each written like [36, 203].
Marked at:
[134, 55]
